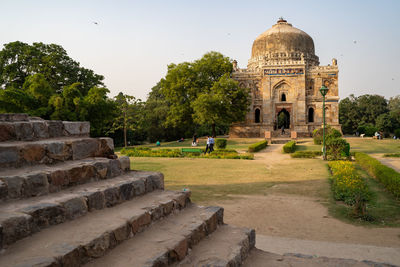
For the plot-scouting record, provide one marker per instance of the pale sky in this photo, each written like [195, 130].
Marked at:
[134, 41]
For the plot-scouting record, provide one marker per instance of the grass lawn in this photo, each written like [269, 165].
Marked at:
[372, 146]
[307, 145]
[212, 180]
[222, 179]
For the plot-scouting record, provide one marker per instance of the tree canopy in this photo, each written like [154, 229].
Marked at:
[202, 92]
[374, 111]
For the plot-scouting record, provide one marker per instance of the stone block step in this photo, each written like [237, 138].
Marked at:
[40, 180]
[227, 246]
[260, 258]
[77, 242]
[19, 219]
[166, 241]
[21, 127]
[50, 151]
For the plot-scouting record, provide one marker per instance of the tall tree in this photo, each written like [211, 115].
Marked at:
[224, 103]
[203, 92]
[128, 117]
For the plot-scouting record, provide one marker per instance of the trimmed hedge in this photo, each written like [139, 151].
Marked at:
[348, 186]
[387, 176]
[306, 154]
[220, 143]
[289, 147]
[177, 153]
[392, 155]
[258, 146]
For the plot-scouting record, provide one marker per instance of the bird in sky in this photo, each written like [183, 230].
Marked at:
[95, 22]
[355, 41]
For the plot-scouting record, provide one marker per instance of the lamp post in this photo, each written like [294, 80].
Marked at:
[324, 91]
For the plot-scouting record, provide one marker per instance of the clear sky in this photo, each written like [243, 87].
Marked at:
[134, 41]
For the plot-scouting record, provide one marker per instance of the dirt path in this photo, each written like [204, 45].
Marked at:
[297, 215]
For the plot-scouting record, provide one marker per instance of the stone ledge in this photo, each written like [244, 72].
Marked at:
[51, 151]
[20, 127]
[42, 180]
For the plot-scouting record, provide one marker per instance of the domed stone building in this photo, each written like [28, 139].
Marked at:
[284, 76]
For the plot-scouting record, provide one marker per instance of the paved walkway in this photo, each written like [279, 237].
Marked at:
[282, 245]
[393, 163]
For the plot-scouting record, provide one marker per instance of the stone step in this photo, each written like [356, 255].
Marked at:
[227, 246]
[260, 258]
[41, 180]
[49, 151]
[166, 241]
[19, 219]
[77, 242]
[21, 127]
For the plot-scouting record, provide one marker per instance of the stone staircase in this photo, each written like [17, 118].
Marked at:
[67, 200]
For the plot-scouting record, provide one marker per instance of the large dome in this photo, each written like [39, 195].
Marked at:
[285, 42]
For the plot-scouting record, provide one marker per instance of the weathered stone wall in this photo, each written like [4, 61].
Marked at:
[21, 127]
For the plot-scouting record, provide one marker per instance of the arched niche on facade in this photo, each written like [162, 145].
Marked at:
[281, 88]
[257, 115]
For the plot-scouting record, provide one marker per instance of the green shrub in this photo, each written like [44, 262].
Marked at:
[337, 147]
[392, 155]
[220, 143]
[225, 150]
[361, 129]
[289, 147]
[387, 176]
[370, 130]
[258, 146]
[348, 186]
[397, 133]
[306, 154]
[177, 153]
[329, 134]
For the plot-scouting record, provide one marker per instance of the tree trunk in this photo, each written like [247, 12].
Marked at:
[125, 143]
[213, 129]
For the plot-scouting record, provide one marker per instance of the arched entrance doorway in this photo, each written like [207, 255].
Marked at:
[283, 119]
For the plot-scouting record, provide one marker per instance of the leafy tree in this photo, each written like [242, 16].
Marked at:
[348, 115]
[19, 60]
[202, 92]
[385, 123]
[362, 110]
[100, 110]
[129, 109]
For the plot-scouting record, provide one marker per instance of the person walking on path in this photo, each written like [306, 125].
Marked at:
[212, 142]
[283, 129]
[208, 144]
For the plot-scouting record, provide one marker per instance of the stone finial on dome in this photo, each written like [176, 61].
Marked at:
[281, 19]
